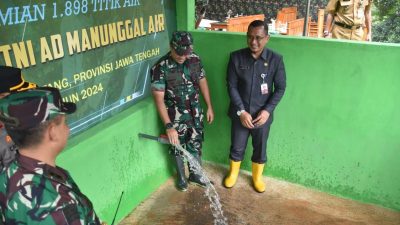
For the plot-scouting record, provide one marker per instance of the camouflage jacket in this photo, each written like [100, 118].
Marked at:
[32, 192]
[7, 148]
[181, 85]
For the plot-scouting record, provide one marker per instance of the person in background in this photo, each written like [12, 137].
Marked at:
[347, 19]
[11, 80]
[200, 14]
[33, 189]
[176, 82]
[256, 81]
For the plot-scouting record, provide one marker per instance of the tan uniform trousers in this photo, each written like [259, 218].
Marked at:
[350, 34]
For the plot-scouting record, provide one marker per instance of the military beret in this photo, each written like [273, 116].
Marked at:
[182, 42]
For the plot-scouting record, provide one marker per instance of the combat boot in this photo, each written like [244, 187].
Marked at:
[181, 183]
[231, 179]
[195, 178]
[257, 170]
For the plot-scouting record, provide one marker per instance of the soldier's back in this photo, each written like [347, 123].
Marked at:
[34, 192]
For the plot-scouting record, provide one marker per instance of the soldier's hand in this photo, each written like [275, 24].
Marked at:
[173, 136]
[210, 115]
[261, 118]
[246, 120]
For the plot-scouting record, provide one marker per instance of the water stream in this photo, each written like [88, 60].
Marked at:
[211, 193]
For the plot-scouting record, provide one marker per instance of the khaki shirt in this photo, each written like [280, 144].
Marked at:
[349, 12]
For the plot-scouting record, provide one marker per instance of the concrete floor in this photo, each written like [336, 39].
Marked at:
[282, 203]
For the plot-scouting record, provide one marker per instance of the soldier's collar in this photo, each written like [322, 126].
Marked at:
[172, 63]
[42, 168]
[171, 60]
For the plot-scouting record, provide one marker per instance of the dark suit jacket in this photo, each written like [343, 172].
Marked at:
[244, 81]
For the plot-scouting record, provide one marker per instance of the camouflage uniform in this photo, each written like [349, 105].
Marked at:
[7, 148]
[181, 85]
[32, 192]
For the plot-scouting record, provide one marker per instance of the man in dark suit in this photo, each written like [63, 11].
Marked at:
[256, 83]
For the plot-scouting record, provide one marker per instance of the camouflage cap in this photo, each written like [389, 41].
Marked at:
[28, 109]
[11, 80]
[182, 42]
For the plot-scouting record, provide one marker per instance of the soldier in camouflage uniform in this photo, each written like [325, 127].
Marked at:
[347, 18]
[11, 80]
[177, 79]
[33, 190]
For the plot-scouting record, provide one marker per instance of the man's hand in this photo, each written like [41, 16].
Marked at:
[262, 117]
[327, 34]
[210, 115]
[173, 136]
[246, 120]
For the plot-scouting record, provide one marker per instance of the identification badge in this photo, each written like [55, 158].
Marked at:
[360, 13]
[264, 88]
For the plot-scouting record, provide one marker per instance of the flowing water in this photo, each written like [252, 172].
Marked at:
[211, 193]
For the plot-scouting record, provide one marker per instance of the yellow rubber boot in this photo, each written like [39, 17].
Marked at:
[258, 182]
[230, 180]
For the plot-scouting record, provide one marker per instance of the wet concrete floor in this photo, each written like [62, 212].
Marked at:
[282, 203]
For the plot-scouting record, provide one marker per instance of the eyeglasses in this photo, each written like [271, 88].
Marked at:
[257, 38]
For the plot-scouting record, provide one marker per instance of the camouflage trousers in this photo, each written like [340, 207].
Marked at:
[190, 138]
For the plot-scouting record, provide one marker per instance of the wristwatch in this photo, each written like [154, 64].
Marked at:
[240, 112]
[169, 126]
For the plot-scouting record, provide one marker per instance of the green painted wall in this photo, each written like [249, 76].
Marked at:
[336, 129]
[185, 14]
